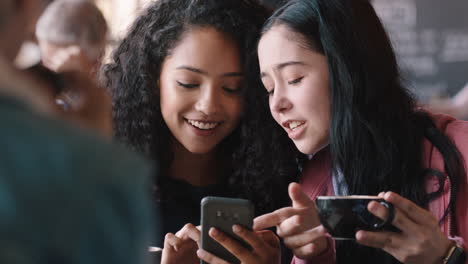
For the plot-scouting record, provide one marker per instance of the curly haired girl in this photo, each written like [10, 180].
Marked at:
[184, 83]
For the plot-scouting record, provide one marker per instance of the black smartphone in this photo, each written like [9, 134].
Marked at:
[222, 213]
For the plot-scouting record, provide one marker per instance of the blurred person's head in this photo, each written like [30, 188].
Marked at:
[72, 36]
[17, 21]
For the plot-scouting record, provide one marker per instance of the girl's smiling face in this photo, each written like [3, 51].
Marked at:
[200, 89]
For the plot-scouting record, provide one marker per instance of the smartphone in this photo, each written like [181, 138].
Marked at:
[222, 213]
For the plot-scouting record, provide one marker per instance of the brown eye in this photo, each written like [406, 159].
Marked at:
[188, 85]
[231, 90]
[296, 81]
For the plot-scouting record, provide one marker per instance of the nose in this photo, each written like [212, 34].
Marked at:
[208, 101]
[279, 102]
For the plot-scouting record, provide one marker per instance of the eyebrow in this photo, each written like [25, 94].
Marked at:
[284, 65]
[195, 70]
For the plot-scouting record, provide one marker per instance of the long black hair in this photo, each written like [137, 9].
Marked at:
[376, 129]
[132, 78]
[273, 4]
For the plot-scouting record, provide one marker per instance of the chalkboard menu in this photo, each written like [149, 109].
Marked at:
[431, 41]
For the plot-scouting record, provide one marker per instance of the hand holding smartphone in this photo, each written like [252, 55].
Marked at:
[222, 213]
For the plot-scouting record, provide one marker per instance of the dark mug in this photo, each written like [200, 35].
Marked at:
[343, 216]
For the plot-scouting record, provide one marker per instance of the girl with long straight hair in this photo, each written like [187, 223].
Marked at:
[334, 86]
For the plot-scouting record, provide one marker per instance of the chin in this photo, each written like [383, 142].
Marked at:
[305, 150]
[309, 149]
[197, 149]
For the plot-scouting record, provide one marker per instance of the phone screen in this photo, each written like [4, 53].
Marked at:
[222, 213]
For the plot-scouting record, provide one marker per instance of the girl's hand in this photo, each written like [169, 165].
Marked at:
[265, 247]
[420, 240]
[299, 225]
[181, 247]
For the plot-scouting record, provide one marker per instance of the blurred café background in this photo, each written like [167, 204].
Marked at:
[119, 15]
[430, 37]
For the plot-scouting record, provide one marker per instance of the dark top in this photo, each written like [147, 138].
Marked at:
[67, 197]
[182, 205]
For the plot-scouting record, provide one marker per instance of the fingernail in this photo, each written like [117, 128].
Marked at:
[200, 253]
[236, 228]
[323, 229]
[387, 195]
[214, 232]
[359, 235]
[371, 206]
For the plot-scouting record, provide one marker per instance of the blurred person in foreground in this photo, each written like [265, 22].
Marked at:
[66, 197]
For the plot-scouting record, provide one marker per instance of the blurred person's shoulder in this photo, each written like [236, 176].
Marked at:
[44, 144]
[63, 188]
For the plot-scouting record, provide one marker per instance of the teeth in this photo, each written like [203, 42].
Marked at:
[202, 125]
[295, 124]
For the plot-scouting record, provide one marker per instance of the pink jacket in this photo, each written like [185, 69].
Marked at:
[316, 180]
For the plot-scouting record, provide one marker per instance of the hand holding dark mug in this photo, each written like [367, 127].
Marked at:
[419, 240]
[343, 216]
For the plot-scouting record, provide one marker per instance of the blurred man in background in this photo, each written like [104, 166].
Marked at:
[72, 36]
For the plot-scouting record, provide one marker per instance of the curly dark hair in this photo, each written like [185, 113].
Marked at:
[259, 173]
